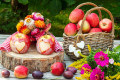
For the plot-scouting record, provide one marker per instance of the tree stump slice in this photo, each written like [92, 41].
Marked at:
[32, 60]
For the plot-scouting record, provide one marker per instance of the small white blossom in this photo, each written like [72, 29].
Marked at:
[111, 61]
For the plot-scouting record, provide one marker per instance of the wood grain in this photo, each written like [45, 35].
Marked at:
[32, 60]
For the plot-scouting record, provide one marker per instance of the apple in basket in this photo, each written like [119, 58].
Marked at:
[70, 29]
[20, 43]
[105, 25]
[76, 15]
[94, 30]
[45, 44]
[93, 19]
[86, 26]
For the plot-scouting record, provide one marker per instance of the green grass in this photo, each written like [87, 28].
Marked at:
[60, 20]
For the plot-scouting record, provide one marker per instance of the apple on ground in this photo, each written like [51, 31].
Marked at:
[93, 19]
[70, 29]
[106, 25]
[76, 15]
[86, 26]
[21, 72]
[94, 30]
[45, 44]
[57, 68]
[20, 43]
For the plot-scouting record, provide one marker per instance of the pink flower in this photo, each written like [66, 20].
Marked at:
[101, 59]
[111, 61]
[37, 16]
[97, 74]
[86, 68]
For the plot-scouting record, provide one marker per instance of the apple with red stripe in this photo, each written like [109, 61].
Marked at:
[45, 45]
[19, 43]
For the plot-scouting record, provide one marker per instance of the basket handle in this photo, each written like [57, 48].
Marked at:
[97, 8]
[92, 4]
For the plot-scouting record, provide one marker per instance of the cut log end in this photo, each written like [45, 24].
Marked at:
[32, 60]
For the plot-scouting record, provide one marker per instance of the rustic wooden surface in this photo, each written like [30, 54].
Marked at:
[47, 75]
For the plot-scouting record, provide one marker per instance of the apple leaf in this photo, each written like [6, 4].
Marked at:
[24, 2]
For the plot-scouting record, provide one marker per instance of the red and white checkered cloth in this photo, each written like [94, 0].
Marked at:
[5, 46]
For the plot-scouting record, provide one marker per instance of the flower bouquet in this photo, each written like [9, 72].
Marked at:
[99, 65]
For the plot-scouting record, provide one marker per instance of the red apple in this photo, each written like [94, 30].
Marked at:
[20, 43]
[93, 30]
[57, 68]
[21, 72]
[93, 19]
[70, 29]
[86, 26]
[45, 44]
[105, 25]
[76, 15]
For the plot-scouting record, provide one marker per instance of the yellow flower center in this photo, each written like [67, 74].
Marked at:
[39, 15]
[101, 58]
[97, 77]
[28, 20]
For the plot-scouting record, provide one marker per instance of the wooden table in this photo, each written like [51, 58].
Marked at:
[47, 75]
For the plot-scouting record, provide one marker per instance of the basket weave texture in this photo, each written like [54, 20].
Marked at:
[99, 40]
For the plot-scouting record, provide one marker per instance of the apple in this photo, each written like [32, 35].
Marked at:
[93, 19]
[93, 30]
[19, 43]
[21, 72]
[70, 29]
[106, 25]
[57, 68]
[76, 15]
[86, 26]
[45, 44]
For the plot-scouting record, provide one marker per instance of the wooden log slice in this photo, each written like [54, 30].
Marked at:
[32, 60]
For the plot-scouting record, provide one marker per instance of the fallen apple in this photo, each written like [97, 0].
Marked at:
[93, 19]
[105, 25]
[21, 72]
[76, 15]
[20, 43]
[57, 68]
[86, 26]
[45, 45]
[70, 29]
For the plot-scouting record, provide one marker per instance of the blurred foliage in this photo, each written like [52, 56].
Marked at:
[58, 12]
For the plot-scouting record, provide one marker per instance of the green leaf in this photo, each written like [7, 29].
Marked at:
[117, 49]
[7, 0]
[55, 6]
[70, 2]
[24, 2]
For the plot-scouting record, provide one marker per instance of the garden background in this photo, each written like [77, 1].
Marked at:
[11, 11]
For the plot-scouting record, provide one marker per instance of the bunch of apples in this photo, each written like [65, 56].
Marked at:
[92, 23]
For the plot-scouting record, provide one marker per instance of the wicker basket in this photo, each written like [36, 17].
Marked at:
[100, 40]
